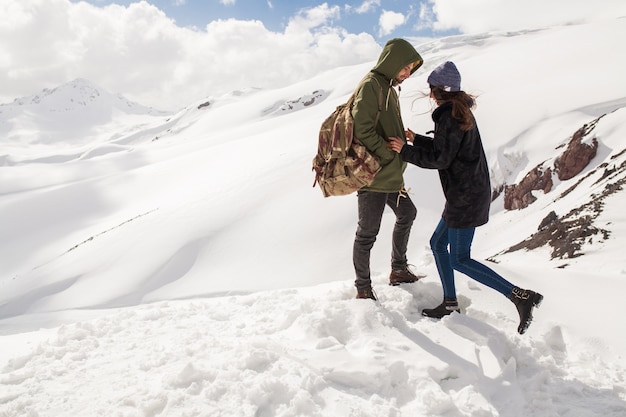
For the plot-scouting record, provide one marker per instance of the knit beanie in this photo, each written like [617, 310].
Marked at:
[446, 76]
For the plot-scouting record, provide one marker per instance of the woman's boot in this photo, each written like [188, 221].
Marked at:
[525, 300]
[448, 306]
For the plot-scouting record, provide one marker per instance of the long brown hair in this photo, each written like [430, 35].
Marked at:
[462, 105]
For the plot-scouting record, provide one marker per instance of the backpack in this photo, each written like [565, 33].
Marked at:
[343, 164]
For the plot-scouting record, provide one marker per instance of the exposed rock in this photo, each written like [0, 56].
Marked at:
[567, 165]
[496, 192]
[519, 196]
[548, 220]
[567, 234]
[298, 104]
[577, 155]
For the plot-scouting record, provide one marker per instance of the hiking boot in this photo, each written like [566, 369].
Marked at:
[366, 293]
[449, 306]
[403, 276]
[525, 300]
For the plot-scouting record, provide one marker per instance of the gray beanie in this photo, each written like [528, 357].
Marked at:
[446, 76]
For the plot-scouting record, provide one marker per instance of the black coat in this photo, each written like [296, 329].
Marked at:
[460, 158]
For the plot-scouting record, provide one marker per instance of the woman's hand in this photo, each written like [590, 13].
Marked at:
[410, 135]
[395, 144]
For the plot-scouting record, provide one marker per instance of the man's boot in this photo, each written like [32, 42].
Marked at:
[403, 276]
[367, 292]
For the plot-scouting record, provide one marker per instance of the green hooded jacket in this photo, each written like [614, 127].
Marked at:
[397, 54]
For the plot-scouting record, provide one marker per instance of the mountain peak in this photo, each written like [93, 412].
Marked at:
[78, 94]
[67, 113]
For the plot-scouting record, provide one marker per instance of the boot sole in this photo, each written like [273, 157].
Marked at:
[439, 317]
[537, 300]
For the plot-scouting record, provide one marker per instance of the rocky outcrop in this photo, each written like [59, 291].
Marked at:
[300, 103]
[567, 165]
[521, 195]
[577, 155]
[566, 235]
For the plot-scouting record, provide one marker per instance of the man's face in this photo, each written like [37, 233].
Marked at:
[404, 74]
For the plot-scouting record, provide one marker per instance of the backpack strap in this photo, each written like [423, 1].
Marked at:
[380, 102]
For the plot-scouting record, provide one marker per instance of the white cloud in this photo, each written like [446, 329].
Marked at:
[487, 15]
[141, 53]
[367, 6]
[311, 18]
[389, 21]
[426, 17]
[228, 2]
[138, 51]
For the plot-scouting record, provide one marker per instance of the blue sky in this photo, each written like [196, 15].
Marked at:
[381, 19]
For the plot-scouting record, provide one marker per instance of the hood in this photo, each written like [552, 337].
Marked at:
[397, 54]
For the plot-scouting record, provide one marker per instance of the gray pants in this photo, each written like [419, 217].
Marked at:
[371, 208]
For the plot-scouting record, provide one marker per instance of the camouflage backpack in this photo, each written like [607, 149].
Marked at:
[343, 164]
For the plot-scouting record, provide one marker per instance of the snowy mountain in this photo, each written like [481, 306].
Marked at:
[182, 264]
[78, 94]
[73, 114]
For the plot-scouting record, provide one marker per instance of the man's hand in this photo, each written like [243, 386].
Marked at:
[395, 144]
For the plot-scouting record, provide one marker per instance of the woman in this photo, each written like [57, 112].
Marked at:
[457, 152]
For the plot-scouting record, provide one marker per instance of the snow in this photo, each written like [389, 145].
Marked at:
[182, 265]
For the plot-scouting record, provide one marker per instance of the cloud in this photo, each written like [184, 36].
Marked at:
[367, 6]
[389, 21]
[426, 17]
[308, 19]
[138, 51]
[489, 15]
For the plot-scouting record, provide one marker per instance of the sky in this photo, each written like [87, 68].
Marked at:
[169, 54]
[382, 19]
[182, 265]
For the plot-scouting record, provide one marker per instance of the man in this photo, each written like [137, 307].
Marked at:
[397, 61]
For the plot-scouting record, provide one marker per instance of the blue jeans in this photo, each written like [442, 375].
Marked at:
[459, 258]
[371, 207]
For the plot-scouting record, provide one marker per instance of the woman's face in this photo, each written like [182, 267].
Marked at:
[432, 96]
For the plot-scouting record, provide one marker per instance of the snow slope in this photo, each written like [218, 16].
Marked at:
[182, 265]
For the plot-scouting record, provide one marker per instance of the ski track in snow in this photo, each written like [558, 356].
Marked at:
[305, 352]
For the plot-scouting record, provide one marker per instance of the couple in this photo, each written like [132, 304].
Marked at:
[456, 151]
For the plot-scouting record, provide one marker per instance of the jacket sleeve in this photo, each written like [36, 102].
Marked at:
[438, 153]
[364, 113]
